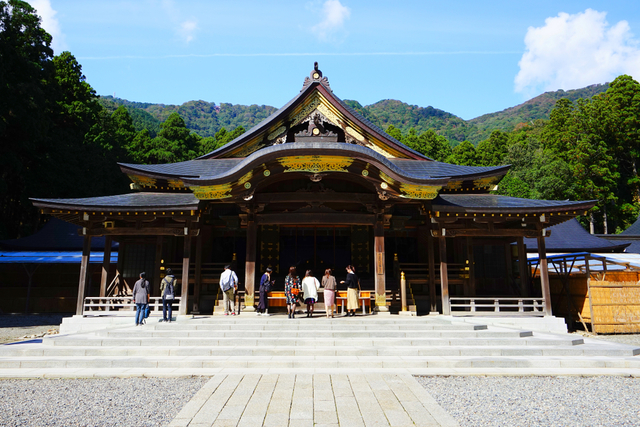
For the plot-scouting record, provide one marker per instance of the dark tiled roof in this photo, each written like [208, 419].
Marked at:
[263, 125]
[131, 201]
[490, 202]
[633, 230]
[220, 169]
[189, 169]
[438, 169]
[56, 235]
[634, 247]
[570, 237]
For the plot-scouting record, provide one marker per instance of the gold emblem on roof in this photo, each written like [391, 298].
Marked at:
[315, 164]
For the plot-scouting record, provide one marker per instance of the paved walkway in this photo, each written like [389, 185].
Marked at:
[281, 400]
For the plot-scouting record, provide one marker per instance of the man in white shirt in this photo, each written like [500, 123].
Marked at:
[228, 285]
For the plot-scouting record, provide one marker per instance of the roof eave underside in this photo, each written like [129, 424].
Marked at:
[464, 203]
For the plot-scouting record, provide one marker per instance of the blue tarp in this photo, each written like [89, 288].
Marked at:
[71, 257]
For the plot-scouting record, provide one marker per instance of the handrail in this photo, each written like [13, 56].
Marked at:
[524, 306]
[113, 305]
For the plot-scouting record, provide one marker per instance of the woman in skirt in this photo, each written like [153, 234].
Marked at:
[291, 291]
[353, 284]
[310, 286]
[329, 285]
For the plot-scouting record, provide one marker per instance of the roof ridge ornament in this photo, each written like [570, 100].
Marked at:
[316, 76]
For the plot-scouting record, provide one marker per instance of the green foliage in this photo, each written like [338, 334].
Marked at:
[174, 143]
[464, 154]
[221, 138]
[492, 151]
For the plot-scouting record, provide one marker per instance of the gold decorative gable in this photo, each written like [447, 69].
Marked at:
[422, 192]
[210, 192]
[315, 164]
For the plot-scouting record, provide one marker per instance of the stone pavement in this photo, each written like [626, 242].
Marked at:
[281, 400]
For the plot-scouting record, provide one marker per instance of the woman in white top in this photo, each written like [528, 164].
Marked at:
[310, 286]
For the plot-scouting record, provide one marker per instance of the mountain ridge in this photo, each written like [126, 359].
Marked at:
[207, 118]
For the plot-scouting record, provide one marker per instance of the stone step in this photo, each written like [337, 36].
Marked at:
[442, 351]
[317, 362]
[286, 333]
[310, 326]
[301, 342]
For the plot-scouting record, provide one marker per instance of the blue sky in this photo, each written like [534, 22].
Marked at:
[465, 57]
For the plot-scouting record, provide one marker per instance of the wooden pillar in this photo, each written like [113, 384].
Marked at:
[250, 266]
[471, 291]
[184, 294]
[198, 281]
[432, 275]
[158, 271]
[444, 276]
[544, 275]
[84, 274]
[523, 267]
[106, 262]
[380, 285]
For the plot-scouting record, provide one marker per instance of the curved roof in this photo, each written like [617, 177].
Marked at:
[211, 171]
[490, 202]
[307, 90]
[633, 230]
[570, 237]
[131, 201]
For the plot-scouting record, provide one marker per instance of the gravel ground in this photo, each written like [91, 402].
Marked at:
[131, 402]
[538, 401]
[18, 327]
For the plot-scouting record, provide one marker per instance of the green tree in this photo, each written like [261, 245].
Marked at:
[491, 152]
[464, 154]
[174, 143]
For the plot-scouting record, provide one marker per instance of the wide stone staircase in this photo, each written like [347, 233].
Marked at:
[201, 346]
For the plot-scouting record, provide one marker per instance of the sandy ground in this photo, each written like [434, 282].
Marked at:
[19, 327]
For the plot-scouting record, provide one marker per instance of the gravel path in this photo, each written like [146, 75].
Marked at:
[538, 401]
[131, 402]
[18, 327]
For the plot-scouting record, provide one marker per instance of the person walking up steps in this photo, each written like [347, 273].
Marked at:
[168, 293]
[291, 291]
[265, 287]
[228, 285]
[329, 285]
[353, 284]
[141, 298]
[310, 286]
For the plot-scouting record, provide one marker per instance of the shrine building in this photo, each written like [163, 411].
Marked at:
[317, 186]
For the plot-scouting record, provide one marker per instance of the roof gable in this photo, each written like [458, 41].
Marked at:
[316, 115]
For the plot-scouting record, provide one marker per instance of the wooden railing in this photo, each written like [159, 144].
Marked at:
[497, 306]
[96, 306]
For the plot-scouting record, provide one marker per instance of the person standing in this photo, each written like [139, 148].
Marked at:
[141, 298]
[265, 288]
[168, 293]
[310, 286]
[353, 284]
[291, 291]
[329, 285]
[228, 285]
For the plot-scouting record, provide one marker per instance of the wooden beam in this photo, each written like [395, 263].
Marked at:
[314, 197]
[444, 276]
[250, 266]
[294, 218]
[158, 264]
[456, 232]
[151, 231]
[84, 274]
[106, 261]
[198, 281]
[186, 256]
[432, 274]
[523, 267]
[544, 275]
[379, 266]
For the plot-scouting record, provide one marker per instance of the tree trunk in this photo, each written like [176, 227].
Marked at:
[591, 223]
[604, 219]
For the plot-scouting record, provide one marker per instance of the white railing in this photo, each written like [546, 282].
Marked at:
[120, 305]
[497, 306]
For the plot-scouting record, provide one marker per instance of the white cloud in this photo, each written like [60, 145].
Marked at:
[573, 51]
[333, 16]
[187, 30]
[50, 23]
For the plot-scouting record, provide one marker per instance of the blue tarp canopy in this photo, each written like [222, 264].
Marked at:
[71, 257]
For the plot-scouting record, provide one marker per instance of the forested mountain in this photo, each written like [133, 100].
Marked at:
[203, 118]
[207, 118]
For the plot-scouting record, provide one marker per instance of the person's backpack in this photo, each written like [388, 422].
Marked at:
[169, 291]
